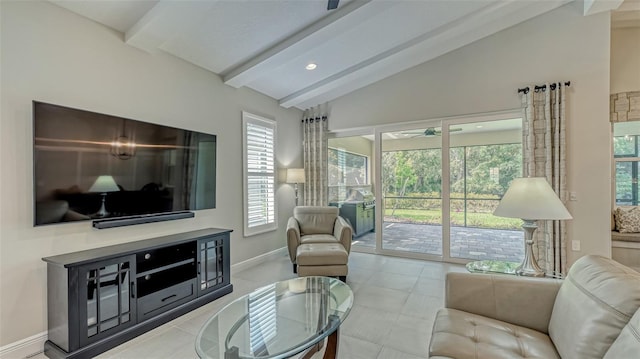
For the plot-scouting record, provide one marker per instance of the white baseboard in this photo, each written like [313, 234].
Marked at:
[34, 345]
[269, 256]
[24, 348]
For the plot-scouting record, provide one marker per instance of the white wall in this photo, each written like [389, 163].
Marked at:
[51, 55]
[483, 77]
[625, 60]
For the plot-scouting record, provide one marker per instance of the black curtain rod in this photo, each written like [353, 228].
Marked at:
[542, 88]
[317, 118]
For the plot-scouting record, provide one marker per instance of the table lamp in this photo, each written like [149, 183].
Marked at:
[295, 175]
[531, 199]
[103, 185]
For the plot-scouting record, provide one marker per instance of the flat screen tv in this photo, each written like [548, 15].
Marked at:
[94, 166]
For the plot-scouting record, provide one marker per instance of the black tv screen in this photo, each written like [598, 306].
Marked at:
[94, 166]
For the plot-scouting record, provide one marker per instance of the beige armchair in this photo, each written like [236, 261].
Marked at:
[319, 241]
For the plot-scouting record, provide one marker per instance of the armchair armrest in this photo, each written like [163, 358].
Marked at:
[523, 301]
[343, 232]
[293, 238]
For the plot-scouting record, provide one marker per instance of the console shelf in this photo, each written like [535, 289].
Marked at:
[100, 298]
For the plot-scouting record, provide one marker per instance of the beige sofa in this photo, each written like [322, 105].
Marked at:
[593, 313]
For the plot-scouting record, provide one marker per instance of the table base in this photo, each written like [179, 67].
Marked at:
[330, 352]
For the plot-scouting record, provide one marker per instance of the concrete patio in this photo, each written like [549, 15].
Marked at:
[466, 242]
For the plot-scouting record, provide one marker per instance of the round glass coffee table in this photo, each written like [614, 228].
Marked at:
[279, 320]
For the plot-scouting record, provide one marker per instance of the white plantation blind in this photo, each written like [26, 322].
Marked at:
[259, 174]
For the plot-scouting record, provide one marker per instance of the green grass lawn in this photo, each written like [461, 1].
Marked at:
[480, 220]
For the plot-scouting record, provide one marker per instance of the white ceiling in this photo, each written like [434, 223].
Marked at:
[266, 44]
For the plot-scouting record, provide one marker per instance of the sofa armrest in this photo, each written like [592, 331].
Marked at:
[343, 232]
[293, 238]
[523, 301]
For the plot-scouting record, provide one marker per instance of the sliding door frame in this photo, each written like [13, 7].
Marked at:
[445, 124]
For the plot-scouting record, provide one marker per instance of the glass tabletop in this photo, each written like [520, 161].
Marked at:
[276, 321]
[501, 267]
[492, 266]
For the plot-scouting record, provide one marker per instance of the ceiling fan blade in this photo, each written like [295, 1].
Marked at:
[332, 4]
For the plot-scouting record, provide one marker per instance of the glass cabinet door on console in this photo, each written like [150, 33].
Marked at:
[212, 269]
[107, 298]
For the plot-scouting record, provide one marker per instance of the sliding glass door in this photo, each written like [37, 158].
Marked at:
[439, 183]
[411, 200]
[484, 157]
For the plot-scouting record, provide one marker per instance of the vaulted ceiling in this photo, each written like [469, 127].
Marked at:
[266, 44]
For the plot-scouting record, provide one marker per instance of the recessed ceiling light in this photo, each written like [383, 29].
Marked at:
[479, 126]
[311, 66]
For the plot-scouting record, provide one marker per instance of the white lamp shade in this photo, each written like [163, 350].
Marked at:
[104, 184]
[295, 175]
[531, 198]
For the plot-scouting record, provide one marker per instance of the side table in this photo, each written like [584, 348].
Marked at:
[500, 267]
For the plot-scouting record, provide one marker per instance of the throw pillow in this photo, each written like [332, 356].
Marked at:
[628, 220]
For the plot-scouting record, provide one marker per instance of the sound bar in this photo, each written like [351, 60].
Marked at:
[146, 218]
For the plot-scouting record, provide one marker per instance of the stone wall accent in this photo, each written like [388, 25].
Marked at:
[625, 106]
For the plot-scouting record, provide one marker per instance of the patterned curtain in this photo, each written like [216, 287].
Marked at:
[314, 125]
[544, 156]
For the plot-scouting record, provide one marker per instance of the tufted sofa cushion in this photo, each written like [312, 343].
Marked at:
[458, 334]
[593, 304]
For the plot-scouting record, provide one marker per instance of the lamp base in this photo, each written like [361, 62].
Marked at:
[102, 212]
[529, 266]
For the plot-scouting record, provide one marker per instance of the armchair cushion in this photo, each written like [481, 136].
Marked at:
[315, 220]
[318, 238]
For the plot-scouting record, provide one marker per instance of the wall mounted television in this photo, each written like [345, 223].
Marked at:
[91, 166]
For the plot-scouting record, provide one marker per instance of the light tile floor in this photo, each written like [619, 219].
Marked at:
[395, 304]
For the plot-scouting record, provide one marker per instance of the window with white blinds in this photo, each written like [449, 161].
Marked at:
[259, 174]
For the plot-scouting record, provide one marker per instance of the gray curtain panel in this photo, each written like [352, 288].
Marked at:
[544, 144]
[315, 148]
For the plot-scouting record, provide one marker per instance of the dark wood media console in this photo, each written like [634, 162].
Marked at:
[100, 298]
